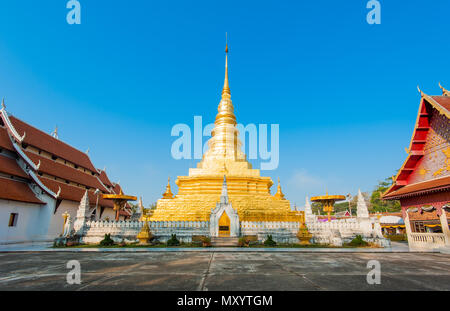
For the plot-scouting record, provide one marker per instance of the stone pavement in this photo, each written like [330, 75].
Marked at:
[223, 271]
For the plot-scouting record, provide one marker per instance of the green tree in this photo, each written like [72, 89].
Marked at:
[134, 207]
[379, 205]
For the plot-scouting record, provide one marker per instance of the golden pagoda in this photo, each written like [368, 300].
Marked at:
[249, 193]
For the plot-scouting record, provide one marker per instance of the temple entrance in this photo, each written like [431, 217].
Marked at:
[224, 225]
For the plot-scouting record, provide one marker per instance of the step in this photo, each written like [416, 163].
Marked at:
[224, 241]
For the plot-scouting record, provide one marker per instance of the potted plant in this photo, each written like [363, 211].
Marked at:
[206, 241]
[173, 241]
[269, 241]
[243, 242]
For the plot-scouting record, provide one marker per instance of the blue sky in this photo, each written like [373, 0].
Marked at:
[343, 91]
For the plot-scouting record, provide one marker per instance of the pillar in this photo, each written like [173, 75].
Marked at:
[444, 225]
[408, 229]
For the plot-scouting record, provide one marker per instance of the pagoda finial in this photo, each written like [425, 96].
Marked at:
[279, 195]
[168, 193]
[3, 103]
[444, 91]
[226, 86]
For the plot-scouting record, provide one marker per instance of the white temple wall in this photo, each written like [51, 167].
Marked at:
[27, 227]
[108, 213]
[340, 231]
[281, 231]
[57, 221]
[94, 231]
[335, 232]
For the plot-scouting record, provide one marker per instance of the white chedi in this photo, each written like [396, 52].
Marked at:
[83, 214]
[309, 216]
[361, 207]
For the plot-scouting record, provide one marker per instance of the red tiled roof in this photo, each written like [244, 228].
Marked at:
[52, 145]
[5, 142]
[104, 178]
[17, 191]
[444, 101]
[117, 188]
[62, 171]
[9, 166]
[421, 187]
[73, 193]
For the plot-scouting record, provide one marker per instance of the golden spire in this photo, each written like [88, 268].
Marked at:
[168, 194]
[279, 195]
[226, 109]
[226, 86]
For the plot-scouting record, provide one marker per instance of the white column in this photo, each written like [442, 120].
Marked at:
[408, 230]
[444, 225]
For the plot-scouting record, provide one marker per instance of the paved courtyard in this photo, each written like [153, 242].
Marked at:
[224, 271]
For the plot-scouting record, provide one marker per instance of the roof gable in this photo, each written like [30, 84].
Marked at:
[441, 105]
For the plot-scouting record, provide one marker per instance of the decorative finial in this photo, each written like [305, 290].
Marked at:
[444, 91]
[87, 151]
[279, 195]
[55, 132]
[226, 42]
[226, 86]
[168, 193]
[420, 91]
[3, 103]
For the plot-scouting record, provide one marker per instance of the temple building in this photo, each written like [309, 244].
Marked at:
[41, 178]
[422, 184]
[248, 191]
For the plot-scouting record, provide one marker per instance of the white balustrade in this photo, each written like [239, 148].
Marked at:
[426, 240]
